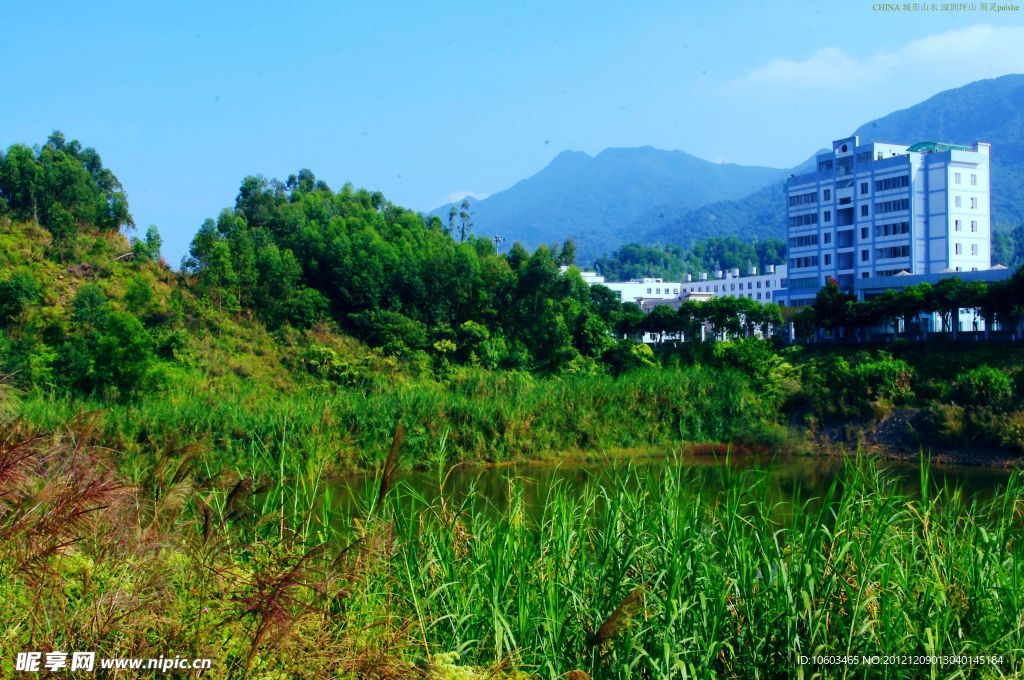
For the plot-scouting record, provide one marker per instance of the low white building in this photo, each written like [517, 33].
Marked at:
[644, 289]
[730, 283]
[649, 292]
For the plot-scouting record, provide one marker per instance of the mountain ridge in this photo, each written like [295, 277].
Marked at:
[649, 195]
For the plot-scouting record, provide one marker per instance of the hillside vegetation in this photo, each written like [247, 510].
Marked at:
[171, 443]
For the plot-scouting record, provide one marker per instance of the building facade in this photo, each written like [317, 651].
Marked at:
[728, 283]
[764, 287]
[878, 210]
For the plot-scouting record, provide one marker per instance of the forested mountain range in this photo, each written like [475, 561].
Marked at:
[596, 200]
[651, 196]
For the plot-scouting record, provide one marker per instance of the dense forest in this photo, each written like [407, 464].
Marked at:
[674, 262]
[86, 311]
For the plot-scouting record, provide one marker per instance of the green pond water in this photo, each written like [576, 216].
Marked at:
[782, 480]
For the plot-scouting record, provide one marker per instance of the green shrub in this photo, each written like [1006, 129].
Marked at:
[946, 423]
[769, 373]
[17, 292]
[983, 387]
[1011, 431]
[881, 378]
[627, 355]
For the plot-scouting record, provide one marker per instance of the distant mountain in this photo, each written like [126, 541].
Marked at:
[597, 200]
[987, 110]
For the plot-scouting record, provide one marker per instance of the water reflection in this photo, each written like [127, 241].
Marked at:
[785, 480]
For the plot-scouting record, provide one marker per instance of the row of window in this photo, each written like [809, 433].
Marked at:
[892, 252]
[889, 183]
[803, 262]
[803, 220]
[957, 200]
[657, 291]
[892, 206]
[958, 248]
[803, 241]
[974, 179]
[732, 286]
[957, 225]
[803, 283]
[803, 199]
[891, 229]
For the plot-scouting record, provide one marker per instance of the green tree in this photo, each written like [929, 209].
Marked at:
[662, 320]
[465, 220]
[17, 292]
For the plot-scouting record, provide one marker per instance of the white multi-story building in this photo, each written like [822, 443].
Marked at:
[729, 283]
[876, 210]
[761, 287]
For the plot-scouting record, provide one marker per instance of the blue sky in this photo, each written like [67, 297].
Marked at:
[428, 101]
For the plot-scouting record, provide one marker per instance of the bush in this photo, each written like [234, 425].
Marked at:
[627, 355]
[983, 387]
[118, 355]
[17, 292]
[946, 422]
[881, 378]
[769, 372]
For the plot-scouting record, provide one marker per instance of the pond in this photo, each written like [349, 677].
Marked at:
[783, 479]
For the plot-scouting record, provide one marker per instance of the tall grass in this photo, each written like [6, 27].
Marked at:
[477, 415]
[655, 576]
[687, 572]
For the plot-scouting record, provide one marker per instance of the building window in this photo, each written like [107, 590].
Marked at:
[648, 291]
[863, 233]
[974, 249]
[863, 211]
[803, 241]
[803, 199]
[828, 237]
[758, 296]
[828, 216]
[974, 225]
[892, 252]
[803, 220]
[892, 183]
[958, 249]
[863, 188]
[758, 284]
[865, 275]
[750, 286]
[865, 255]
[894, 229]
[956, 201]
[895, 205]
[956, 178]
[828, 260]
[974, 202]
[956, 225]
[974, 180]
[826, 195]
[768, 296]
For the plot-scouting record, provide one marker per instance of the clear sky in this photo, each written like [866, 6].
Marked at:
[427, 101]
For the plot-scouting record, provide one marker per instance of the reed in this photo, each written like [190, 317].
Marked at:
[683, 571]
